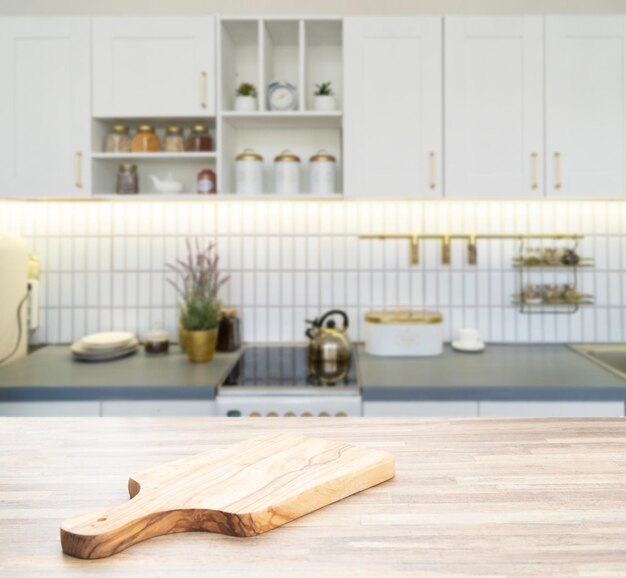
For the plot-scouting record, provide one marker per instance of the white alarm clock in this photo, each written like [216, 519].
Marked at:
[282, 96]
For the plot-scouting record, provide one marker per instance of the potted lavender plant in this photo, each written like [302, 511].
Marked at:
[198, 283]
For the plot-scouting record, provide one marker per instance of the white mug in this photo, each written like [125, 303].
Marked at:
[468, 335]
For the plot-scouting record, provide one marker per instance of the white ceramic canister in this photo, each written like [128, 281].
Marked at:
[323, 173]
[249, 173]
[287, 173]
[404, 333]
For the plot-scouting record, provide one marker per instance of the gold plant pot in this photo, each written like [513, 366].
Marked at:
[200, 345]
[182, 337]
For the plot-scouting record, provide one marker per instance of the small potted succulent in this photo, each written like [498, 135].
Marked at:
[198, 284]
[324, 97]
[245, 97]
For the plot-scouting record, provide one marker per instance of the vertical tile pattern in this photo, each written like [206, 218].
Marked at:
[104, 264]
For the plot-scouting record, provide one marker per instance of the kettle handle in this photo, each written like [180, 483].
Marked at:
[335, 312]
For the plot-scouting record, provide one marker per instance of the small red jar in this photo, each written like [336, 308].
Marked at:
[207, 182]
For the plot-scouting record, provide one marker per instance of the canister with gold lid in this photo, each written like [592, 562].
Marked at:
[249, 173]
[287, 173]
[404, 333]
[323, 173]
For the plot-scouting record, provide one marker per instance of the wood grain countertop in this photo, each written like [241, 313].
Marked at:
[471, 497]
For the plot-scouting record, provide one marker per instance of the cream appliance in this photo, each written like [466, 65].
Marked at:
[13, 298]
[283, 381]
[404, 333]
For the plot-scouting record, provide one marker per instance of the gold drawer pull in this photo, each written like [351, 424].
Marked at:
[203, 78]
[433, 171]
[535, 161]
[557, 176]
[78, 170]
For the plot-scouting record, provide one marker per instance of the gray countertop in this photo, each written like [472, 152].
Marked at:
[502, 372]
[52, 374]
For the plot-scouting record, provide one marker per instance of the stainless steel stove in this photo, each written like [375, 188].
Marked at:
[281, 381]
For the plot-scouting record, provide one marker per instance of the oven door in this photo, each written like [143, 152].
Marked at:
[269, 405]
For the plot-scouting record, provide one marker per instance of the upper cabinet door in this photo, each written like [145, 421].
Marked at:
[494, 106]
[153, 67]
[44, 107]
[393, 106]
[585, 106]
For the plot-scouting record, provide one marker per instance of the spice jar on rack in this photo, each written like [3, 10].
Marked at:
[118, 140]
[146, 140]
[174, 140]
[199, 140]
[127, 179]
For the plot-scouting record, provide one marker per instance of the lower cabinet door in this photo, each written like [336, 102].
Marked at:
[551, 409]
[50, 409]
[420, 409]
[166, 408]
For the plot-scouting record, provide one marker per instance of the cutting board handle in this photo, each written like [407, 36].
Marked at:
[100, 534]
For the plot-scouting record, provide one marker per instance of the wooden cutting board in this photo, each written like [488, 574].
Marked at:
[241, 490]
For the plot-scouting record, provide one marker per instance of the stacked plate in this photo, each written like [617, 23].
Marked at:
[105, 346]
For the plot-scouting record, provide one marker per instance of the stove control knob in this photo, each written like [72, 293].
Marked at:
[272, 414]
[255, 414]
[324, 414]
[290, 414]
[341, 414]
[307, 414]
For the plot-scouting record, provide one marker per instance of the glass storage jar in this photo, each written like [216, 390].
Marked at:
[118, 140]
[127, 179]
[157, 341]
[199, 139]
[228, 334]
[146, 140]
[174, 141]
[207, 183]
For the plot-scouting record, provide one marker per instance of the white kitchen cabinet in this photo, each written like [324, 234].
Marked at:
[393, 106]
[551, 409]
[420, 409]
[154, 67]
[586, 106]
[44, 107]
[494, 106]
[155, 408]
[49, 408]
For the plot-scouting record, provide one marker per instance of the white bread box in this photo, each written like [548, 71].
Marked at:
[403, 333]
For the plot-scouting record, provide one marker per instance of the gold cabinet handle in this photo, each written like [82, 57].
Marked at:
[78, 170]
[433, 171]
[203, 78]
[557, 171]
[535, 160]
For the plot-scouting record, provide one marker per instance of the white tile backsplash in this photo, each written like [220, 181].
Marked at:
[104, 264]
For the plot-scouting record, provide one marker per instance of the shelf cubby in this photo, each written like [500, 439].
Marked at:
[240, 59]
[323, 60]
[185, 170]
[269, 142]
[280, 42]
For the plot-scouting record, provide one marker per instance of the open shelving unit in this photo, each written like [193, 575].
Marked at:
[303, 52]
[183, 166]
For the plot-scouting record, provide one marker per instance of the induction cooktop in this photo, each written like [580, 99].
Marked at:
[287, 370]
